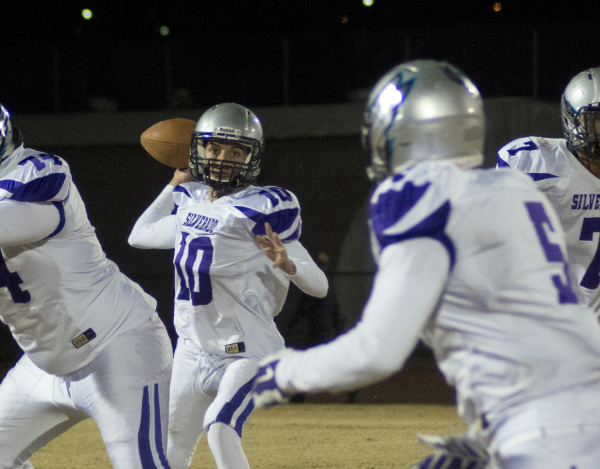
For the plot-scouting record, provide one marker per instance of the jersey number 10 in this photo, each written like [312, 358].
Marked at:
[194, 280]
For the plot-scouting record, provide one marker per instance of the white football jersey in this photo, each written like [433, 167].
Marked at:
[226, 290]
[61, 297]
[575, 195]
[508, 328]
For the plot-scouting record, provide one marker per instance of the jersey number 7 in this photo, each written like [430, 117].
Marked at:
[591, 279]
[194, 275]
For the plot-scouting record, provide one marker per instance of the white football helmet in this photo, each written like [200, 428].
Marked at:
[580, 113]
[232, 123]
[10, 137]
[423, 110]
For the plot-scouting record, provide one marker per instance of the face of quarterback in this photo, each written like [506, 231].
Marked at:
[230, 156]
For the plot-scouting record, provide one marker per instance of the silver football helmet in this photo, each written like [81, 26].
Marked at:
[580, 113]
[231, 123]
[421, 111]
[10, 137]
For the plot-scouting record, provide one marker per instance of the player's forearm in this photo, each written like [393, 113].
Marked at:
[26, 222]
[308, 277]
[154, 230]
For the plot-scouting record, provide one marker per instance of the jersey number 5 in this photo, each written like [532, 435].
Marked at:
[11, 280]
[538, 216]
[194, 281]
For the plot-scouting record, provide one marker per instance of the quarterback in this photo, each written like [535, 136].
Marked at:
[473, 262]
[92, 341]
[236, 250]
[566, 170]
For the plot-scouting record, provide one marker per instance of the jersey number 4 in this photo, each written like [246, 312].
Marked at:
[11, 280]
[193, 270]
[538, 216]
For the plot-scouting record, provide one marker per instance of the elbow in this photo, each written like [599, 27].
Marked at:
[134, 242]
[322, 290]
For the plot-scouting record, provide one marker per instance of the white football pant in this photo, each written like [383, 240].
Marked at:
[208, 390]
[125, 389]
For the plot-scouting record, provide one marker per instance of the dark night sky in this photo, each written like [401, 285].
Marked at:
[55, 61]
[193, 18]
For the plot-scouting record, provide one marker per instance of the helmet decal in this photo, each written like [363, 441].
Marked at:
[422, 110]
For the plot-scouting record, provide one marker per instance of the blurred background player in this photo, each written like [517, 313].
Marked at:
[473, 261]
[93, 343]
[566, 170]
[236, 250]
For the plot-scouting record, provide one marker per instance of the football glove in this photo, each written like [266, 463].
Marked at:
[265, 392]
[458, 452]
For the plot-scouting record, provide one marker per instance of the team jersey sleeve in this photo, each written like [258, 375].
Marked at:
[406, 290]
[308, 277]
[525, 155]
[156, 227]
[516, 154]
[23, 223]
[274, 205]
[38, 177]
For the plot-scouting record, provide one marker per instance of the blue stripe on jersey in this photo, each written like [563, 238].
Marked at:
[501, 163]
[431, 227]
[158, 430]
[280, 221]
[61, 222]
[41, 189]
[226, 414]
[144, 434]
[541, 176]
[182, 190]
[391, 206]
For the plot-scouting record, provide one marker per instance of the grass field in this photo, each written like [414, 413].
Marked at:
[299, 436]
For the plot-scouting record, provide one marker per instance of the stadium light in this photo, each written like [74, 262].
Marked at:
[86, 13]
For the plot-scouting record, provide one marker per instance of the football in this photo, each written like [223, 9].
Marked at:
[169, 141]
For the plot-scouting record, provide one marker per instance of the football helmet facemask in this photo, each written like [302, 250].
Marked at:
[580, 113]
[231, 124]
[423, 110]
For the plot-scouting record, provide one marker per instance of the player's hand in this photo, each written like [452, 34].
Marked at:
[458, 452]
[180, 176]
[275, 250]
[266, 392]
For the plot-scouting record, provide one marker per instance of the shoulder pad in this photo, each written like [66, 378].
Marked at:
[413, 204]
[536, 156]
[36, 177]
[273, 205]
